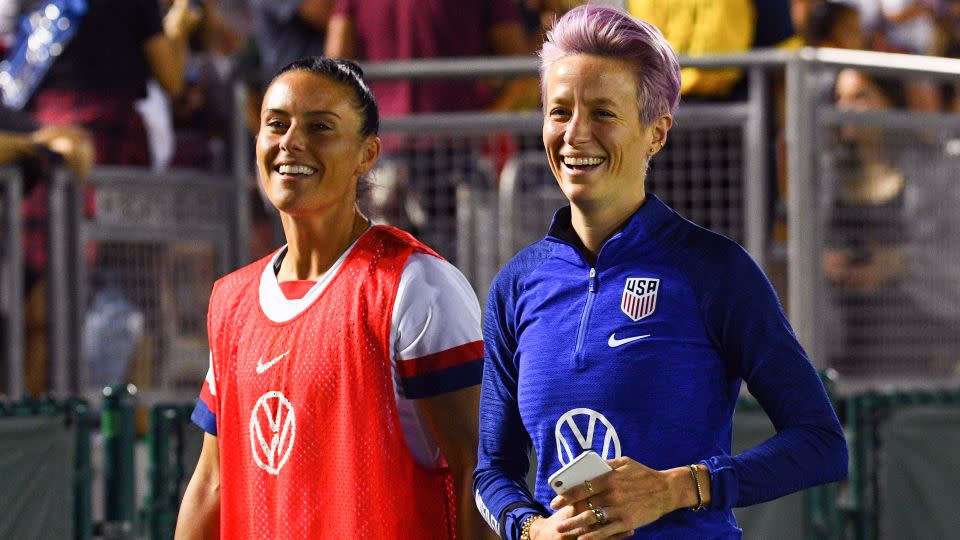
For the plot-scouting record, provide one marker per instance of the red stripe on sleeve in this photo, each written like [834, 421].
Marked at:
[449, 358]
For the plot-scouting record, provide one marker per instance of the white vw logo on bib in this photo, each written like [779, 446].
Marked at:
[573, 441]
[273, 427]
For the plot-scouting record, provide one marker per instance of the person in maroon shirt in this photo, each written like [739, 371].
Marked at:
[420, 173]
[382, 30]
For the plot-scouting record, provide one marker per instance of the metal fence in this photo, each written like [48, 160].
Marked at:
[475, 187]
[11, 283]
[873, 232]
[127, 286]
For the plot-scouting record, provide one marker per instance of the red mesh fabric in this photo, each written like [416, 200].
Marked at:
[311, 446]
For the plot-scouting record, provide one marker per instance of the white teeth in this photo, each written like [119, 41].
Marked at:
[582, 160]
[296, 169]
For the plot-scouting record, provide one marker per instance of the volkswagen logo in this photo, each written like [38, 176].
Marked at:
[273, 427]
[583, 429]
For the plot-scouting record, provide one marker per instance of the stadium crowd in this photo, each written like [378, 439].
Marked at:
[157, 90]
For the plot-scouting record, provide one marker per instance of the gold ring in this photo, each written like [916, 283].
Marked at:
[589, 503]
[599, 514]
[589, 486]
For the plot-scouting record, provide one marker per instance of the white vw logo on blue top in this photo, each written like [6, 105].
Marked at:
[572, 440]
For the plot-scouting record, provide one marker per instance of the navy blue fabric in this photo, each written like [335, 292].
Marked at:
[664, 400]
[204, 417]
[441, 382]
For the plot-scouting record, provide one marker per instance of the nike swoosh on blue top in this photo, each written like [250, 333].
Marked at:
[614, 342]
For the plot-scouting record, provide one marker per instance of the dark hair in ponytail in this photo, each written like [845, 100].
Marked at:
[348, 73]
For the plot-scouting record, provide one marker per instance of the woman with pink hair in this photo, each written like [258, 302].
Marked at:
[628, 330]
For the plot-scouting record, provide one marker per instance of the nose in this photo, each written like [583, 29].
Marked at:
[578, 129]
[292, 140]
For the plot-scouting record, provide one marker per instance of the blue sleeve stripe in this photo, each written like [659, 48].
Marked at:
[444, 381]
[204, 417]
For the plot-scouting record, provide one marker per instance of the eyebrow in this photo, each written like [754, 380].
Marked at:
[308, 113]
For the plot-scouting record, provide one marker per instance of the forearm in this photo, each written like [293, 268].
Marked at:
[199, 516]
[14, 147]
[470, 523]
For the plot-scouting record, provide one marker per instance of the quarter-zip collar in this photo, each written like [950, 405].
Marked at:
[643, 226]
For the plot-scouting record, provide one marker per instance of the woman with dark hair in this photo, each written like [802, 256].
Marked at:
[890, 237]
[342, 394]
[628, 330]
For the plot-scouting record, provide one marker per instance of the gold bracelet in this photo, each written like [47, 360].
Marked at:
[525, 529]
[696, 481]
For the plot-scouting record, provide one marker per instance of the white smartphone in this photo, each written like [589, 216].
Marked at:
[586, 466]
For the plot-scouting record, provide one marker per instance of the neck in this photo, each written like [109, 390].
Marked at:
[316, 242]
[595, 225]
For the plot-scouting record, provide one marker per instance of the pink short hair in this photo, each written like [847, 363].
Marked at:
[606, 31]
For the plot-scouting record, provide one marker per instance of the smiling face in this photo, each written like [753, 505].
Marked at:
[596, 145]
[309, 148]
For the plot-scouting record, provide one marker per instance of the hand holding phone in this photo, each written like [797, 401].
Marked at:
[586, 466]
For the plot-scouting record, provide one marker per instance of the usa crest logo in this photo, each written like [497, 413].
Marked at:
[273, 428]
[639, 298]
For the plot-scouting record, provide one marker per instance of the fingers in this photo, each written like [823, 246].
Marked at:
[574, 495]
[582, 522]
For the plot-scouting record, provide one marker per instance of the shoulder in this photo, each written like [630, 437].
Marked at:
[711, 261]
[427, 271]
[510, 279]
[242, 277]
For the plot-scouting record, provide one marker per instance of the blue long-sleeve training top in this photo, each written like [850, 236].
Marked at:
[641, 355]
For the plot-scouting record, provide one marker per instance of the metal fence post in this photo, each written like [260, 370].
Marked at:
[756, 167]
[241, 173]
[13, 252]
[803, 268]
[62, 347]
[119, 438]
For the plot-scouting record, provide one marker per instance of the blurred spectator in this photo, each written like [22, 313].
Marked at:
[833, 24]
[287, 30]
[892, 242]
[202, 109]
[38, 150]
[537, 16]
[382, 30]
[911, 25]
[420, 173]
[103, 70]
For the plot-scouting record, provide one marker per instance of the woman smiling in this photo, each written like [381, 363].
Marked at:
[628, 330]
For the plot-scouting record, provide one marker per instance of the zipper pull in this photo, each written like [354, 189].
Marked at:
[593, 280]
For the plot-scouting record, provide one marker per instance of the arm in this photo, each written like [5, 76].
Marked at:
[15, 147]
[500, 479]
[166, 53]
[452, 420]
[199, 516]
[74, 144]
[755, 339]
[341, 37]
[316, 13]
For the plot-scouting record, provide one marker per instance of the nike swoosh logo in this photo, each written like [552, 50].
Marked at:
[263, 366]
[614, 342]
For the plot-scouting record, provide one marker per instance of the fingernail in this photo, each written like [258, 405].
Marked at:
[555, 503]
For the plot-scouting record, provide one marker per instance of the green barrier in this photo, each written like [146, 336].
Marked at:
[867, 414]
[41, 443]
[119, 439]
[169, 466]
[78, 412]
